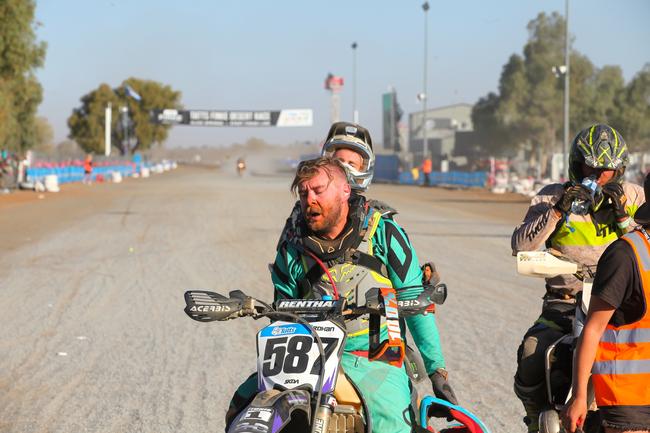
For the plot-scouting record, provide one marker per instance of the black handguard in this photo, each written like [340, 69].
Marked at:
[204, 306]
[430, 295]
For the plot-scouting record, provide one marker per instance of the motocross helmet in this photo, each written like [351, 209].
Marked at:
[346, 135]
[599, 146]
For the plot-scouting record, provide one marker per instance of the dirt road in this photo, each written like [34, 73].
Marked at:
[94, 338]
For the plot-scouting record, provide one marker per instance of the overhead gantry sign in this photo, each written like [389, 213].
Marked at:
[280, 118]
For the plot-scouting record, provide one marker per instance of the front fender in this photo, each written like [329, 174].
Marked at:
[270, 411]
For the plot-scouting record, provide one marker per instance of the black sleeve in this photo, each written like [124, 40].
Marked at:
[615, 273]
[618, 282]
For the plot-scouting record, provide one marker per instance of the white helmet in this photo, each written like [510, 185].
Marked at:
[346, 135]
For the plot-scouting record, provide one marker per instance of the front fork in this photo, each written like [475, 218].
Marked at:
[323, 414]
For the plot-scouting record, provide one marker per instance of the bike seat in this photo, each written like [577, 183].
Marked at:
[345, 393]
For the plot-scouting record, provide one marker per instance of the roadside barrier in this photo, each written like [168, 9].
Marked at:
[386, 168]
[456, 178]
[74, 171]
[51, 183]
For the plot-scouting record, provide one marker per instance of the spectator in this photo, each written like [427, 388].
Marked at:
[427, 167]
[88, 169]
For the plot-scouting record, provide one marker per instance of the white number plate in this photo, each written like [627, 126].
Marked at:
[288, 356]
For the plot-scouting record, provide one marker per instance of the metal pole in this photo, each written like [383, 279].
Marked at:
[425, 144]
[107, 130]
[355, 112]
[565, 144]
[125, 128]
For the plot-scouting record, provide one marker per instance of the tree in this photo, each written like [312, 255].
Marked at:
[20, 92]
[68, 149]
[493, 136]
[44, 136]
[632, 111]
[87, 122]
[585, 105]
[512, 103]
[528, 110]
[542, 117]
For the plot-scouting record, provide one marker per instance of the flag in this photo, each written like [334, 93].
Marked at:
[132, 93]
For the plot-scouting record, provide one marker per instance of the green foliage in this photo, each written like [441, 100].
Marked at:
[632, 114]
[494, 137]
[20, 92]
[528, 110]
[530, 103]
[87, 122]
[44, 136]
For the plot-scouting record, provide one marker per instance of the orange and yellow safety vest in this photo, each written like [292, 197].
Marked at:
[621, 371]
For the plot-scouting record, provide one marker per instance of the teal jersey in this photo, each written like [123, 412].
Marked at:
[391, 246]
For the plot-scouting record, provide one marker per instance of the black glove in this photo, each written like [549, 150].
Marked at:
[614, 192]
[571, 193]
[441, 387]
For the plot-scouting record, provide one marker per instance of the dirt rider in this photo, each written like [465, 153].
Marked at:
[598, 151]
[340, 234]
[352, 145]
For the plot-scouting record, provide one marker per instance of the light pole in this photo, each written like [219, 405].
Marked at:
[425, 144]
[125, 127]
[565, 143]
[355, 112]
[108, 112]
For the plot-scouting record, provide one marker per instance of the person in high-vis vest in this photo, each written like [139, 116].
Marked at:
[598, 152]
[615, 343]
[427, 168]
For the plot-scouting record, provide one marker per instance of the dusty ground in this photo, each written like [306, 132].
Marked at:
[94, 338]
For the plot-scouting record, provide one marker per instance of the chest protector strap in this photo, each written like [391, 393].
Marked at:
[361, 255]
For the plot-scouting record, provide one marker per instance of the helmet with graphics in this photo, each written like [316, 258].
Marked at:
[350, 136]
[598, 146]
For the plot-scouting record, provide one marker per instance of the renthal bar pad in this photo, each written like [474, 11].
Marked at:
[392, 350]
[206, 306]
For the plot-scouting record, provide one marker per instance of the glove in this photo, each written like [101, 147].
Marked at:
[571, 193]
[441, 387]
[614, 192]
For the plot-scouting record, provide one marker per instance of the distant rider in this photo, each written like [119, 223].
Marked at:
[241, 166]
[598, 151]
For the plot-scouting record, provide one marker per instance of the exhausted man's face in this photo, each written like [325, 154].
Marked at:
[321, 200]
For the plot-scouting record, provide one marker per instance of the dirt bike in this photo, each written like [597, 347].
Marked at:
[558, 361]
[301, 385]
[241, 167]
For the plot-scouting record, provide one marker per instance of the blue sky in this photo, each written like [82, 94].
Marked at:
[276, 54]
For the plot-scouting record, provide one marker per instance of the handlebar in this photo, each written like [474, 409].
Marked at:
[205, 306]
[550, 263]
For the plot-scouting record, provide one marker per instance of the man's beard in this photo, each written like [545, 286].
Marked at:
[324, 225]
